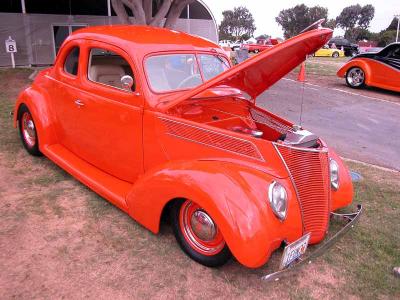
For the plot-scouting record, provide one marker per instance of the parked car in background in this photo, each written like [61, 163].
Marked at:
[160, 123]
[370, 49]
[380, 69]
[229, 44]
[225, 43]
[328, 52]
[349, 49]
[236, 45]
[260, 45]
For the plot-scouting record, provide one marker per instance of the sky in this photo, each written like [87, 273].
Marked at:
[264, 11]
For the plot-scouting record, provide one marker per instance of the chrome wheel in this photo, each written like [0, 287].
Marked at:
[355, 77]
[199, 230]
[28, 129]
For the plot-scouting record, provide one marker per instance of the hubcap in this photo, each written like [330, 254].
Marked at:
[199, 229]
[203, 226]
[355, 77]
[28, 129]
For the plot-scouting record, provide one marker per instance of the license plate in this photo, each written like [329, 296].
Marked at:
[294, 251]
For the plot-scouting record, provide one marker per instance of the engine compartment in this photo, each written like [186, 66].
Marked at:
[241, 116]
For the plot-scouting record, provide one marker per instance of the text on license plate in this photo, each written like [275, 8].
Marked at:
[294, 250]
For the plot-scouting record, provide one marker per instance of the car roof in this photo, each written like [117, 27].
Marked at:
[144, 36]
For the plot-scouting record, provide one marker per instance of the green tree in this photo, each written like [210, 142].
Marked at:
[354, 19]
[393, 24]
[358, 34]
[366, 15]
[237, 24]
[294, 20]
[349, 17]
[331, 23]
[386, 37]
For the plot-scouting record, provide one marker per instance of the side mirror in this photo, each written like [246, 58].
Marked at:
[127, 82]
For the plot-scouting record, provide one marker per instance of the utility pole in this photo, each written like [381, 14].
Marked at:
[398, 25]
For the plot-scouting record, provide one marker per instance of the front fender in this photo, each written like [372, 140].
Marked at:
[356, 63]
[344, 195]
[235, 196]
[38, 102]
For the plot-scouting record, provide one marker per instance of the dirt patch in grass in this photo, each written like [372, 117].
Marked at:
[58, 239]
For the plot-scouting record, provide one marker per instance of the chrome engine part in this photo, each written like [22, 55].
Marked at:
[300, 138]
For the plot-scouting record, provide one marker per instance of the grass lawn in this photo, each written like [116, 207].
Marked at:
[58, 239]
[323, 66]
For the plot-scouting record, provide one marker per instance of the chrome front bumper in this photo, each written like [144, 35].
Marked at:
[350, 220]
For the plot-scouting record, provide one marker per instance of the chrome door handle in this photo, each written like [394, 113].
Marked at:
[79, 103]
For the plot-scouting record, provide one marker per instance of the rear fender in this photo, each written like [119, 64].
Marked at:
[38, 102]
[356, 63]
[235, 197]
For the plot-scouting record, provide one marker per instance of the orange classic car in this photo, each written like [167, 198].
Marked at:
[380, 69]
[159, 122]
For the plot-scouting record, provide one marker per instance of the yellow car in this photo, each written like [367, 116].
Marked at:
[328, 52]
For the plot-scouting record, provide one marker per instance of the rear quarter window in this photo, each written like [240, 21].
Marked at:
[72, 61]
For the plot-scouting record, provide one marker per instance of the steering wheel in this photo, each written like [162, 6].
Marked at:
[190, 81]
[314, 25]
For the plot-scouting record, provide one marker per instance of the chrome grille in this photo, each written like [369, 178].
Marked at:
[309, 170]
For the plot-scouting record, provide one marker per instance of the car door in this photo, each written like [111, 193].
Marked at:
[388, 72]
[378, 67]
[110, 116]
[62, 90]
[324, 52]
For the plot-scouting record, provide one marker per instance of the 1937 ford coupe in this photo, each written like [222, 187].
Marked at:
[154, 120]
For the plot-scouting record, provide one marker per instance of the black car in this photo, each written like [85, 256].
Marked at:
[349, 48]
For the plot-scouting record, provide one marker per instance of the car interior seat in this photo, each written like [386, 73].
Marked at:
[107, 74]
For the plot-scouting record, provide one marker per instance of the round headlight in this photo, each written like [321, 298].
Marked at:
[278, 199]
[334, 174]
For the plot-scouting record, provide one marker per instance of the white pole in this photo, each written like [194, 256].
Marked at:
[12, 60]
[398, 25]
[109, 8]
[109, 12]
[23, 6]
[188, 18]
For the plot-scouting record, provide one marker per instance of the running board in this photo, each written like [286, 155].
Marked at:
[106, 185]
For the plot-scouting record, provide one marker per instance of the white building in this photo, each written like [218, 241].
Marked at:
[40, 26]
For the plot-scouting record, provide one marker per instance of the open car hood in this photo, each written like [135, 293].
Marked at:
[258, 73]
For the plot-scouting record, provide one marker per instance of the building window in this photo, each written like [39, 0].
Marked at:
[67, 7]
[196, 11]
[10, 6]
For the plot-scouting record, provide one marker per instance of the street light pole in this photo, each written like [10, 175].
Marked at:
[398, 25]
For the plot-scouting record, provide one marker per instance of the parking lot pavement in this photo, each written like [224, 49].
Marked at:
[357, 126]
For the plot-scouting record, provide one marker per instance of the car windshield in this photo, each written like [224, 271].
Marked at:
[169, 72]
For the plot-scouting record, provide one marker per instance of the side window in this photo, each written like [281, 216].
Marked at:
[212, 65]
[107, 67]
[72, 61]
[386, 52]
[396, 53]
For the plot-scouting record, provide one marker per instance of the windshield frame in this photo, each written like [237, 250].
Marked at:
[224, 60]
